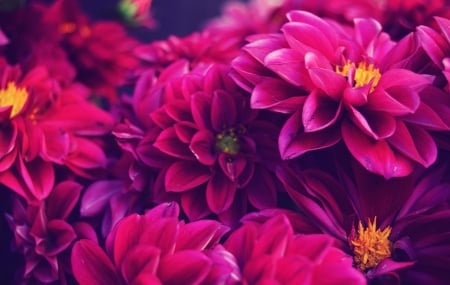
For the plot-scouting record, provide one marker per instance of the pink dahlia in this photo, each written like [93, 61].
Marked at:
[156, 248]
[436, 43]
[43, 234]
[270, 253]
[102, 52]
[223, 153]
[344, 83]
[42, 127]
[400, 238]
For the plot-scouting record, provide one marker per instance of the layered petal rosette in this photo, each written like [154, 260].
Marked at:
[156, 248]
[344, 83]
[223, 154]
[271, 253]
[397, 230]
[43, 234]
[42, 126]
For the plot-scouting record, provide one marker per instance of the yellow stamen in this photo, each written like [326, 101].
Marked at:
[228, 140]
[14, 97]
[361, 75]
[371, 245]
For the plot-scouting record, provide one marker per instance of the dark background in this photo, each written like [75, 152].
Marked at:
[174, 17]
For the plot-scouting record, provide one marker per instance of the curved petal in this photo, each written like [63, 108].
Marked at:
[140, 260]
[203, 147]
[223, 111]
[63, 199]
[375, 156]
[169, 143]
[200, 235]
[220, 192]
[397, 100]
[319, 112]
[201, 110]
[190, 266]
[331, 83]
[294, 141]
[276, 95]
[90, 264]
[185, 175]
[39, 177]
[378, 125]
[415, 143]
[232, 166]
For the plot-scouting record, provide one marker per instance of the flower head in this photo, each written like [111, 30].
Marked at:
[379, 222]
[342, 83]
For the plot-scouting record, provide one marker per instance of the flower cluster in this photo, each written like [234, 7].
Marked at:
[284, 142]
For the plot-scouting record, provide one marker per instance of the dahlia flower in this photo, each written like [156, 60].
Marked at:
[156, 248]
[396, 230]
[42, 127]
[270, 253]
[437, 45]
[101, 52]
[43, 234]
[222, 154]
[343, 83]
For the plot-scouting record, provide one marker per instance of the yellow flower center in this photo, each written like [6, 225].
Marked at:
[371, 245]
[13, 97]
[228, 140]
[360, 75]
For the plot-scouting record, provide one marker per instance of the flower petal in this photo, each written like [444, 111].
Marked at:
[185, 175]
[220, 192]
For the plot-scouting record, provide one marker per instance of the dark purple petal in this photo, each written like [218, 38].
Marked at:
[59, 237]
[185, 175]
[169, 143]
[38, 176]
[63, 199]
[223, 111]
[90, 265]
[194, 204]
[232, 166]
[220, 192]
[203, 147]
[261, 189]
[97, 195]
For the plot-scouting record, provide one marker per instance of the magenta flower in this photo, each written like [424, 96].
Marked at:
[43, 234]
[223, 154]
[42, 127]
[156, 248]
[270, 253]
[341, 83]
[101, 52]
[400, 238]
[437, 45]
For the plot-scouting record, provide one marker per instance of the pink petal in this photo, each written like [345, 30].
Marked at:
[366, 31]
[232, 166]
[276, 95]
[294, 141]
[328, 81]
[200, 235]
[194, 204]
[375, 156]
[378, 125]
[261, 47]
[319, 112]
[289, 65]
[185, 175]
[190, 266]
[38, 176]
[55, 145]
[415, 143]
[90, 264]
[201, 110]
[140, 260]
[220, 192]
[261, 189]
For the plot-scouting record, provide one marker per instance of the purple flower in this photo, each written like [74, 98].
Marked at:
[223, 154]
[397, 230]
[343, 83]
[270, 253]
